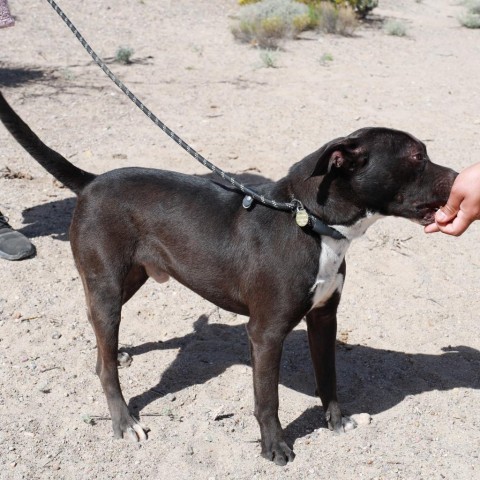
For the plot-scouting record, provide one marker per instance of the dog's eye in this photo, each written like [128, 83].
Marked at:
[420, 161]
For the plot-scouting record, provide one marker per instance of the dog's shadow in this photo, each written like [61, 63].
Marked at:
[52, 218]
[369, 380]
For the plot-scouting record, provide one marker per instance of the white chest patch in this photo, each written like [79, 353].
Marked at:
[333, 252]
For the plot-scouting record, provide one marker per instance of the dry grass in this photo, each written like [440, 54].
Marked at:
[266, 24]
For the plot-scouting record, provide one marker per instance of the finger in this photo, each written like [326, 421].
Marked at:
[432, 228]
[457, 227]
[446, 213]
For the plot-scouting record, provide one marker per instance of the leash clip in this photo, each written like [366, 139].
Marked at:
[247, 202]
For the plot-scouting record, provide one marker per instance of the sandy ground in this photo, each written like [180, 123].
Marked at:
[409, 313]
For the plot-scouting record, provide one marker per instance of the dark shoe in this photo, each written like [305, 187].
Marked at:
[13, 244]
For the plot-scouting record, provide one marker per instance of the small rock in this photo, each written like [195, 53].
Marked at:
[45, 388]
[218, 413]
[170, 397]
[362, 419]
[88, 419]
[56, 335]
[124, 360]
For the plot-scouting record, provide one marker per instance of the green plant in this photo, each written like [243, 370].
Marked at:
[471, 18]
[123, 55]
[269, 58]
[473, 6]
[266, 23]
[326, 58]
[395, 28]
[364, 7]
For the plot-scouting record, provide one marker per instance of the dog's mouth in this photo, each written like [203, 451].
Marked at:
[425, 213]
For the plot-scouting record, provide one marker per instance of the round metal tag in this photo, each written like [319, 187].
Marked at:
[301, 218]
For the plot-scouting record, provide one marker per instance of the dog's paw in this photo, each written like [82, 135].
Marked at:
[278, 452]
[124, 360]
[131, 429]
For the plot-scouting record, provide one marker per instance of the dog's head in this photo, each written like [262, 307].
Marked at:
[382, 171]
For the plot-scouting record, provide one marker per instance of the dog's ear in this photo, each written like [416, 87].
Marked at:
[342, 153]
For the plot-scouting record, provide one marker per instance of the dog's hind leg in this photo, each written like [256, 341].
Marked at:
[136, 277]
[105, 295]
[322, 332]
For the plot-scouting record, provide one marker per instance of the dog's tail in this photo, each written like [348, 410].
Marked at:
[71, 176]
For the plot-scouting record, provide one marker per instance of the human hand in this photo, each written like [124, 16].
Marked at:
[463, 205]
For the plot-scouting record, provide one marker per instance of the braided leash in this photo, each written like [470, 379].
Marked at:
[250, 195]
[159, 123]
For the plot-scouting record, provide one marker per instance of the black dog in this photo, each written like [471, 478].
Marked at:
[135, 223]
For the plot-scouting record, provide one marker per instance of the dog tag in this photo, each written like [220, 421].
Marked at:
[301, 217]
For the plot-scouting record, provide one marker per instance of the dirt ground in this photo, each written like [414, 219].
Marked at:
[409, 313]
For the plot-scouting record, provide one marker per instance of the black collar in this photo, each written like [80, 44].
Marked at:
[310, 222]
[321, 228]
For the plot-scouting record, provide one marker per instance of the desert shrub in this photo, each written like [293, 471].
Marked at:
[473, 6]
[471, 18]
[268, 58]
[265, 23]
[361, 7]
[331, 19]
[395, 28]
[364, 7]
[327, 17]
[123, 55]
[346, 22]
[326, 58]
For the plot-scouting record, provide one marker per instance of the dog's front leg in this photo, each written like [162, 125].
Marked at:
[322, 332]
[266, 351]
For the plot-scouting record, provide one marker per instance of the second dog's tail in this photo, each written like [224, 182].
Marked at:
[71, 176]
